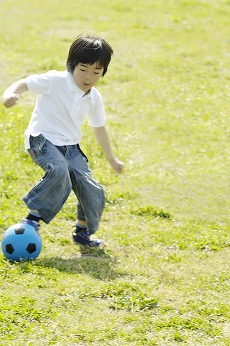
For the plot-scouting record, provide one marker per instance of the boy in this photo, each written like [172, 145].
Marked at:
[53, 135]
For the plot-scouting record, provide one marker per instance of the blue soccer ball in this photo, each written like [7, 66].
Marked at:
[21, 242]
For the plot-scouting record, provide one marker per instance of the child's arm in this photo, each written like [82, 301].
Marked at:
[11, 95]
[102, 137]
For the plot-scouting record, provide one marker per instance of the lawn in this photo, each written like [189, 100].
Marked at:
[163, 278]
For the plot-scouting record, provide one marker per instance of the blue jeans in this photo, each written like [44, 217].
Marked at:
[66, 169]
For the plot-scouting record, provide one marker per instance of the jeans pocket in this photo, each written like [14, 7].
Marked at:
[37, 146]
[82, 153]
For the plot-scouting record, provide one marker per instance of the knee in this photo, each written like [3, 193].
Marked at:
[60, 174]
[95, 190]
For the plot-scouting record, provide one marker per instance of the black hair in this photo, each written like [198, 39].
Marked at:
[87, 49]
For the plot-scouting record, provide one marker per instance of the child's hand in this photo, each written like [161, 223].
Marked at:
[117, 165]
[10, 100]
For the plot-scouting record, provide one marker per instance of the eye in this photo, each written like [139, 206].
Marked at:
[96, 72]
[82, 70]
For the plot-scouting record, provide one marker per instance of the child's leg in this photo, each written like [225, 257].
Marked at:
[81, 223]
[90, 194]
[49, 195]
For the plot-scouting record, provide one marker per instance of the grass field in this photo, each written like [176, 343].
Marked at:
[163, 278]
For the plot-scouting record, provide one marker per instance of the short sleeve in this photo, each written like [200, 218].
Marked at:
[40, 83]
[96, 116]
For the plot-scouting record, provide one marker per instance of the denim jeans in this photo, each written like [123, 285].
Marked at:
[66, 169]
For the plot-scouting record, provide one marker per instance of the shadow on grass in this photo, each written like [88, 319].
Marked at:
[97, 264]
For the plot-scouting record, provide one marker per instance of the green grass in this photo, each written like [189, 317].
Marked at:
[163, 278]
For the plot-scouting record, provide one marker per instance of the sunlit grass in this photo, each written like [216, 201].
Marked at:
[163, 278]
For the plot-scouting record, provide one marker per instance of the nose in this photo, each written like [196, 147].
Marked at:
[88, 76]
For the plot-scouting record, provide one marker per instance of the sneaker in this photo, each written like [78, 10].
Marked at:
[33, 223]
[82, 238]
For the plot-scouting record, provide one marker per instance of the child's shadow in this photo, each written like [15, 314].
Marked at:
[95, 263]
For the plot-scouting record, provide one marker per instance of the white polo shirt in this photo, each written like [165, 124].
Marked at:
[60, 108]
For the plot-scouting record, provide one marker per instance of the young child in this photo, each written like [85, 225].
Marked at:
[54, 131]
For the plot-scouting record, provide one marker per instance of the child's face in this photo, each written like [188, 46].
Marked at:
[86, 76]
